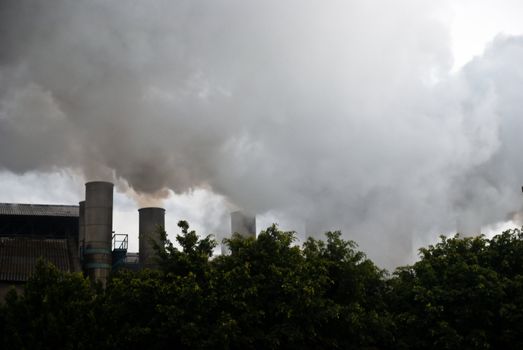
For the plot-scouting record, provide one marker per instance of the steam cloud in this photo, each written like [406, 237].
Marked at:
[343, 113]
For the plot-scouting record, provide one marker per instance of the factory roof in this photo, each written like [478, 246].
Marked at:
[39, 209]
[18, 256]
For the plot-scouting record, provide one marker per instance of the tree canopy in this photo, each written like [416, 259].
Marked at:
[270, 293]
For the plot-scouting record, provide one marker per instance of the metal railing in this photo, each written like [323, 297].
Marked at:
[120, 241]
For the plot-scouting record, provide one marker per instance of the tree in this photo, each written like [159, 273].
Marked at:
[275, 294]
[192, 258]
[464, 293]
[356, 288]
[54, 311]
[270, 293]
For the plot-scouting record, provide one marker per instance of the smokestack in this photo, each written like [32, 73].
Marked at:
[151, 221]
[468, 226]
[98, 224]
[81, 229]
[243, 223]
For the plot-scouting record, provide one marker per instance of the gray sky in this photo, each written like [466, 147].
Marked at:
[392, 121]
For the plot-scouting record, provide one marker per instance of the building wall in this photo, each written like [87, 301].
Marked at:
[41, 226]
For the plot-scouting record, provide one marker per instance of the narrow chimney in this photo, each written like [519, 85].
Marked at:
[98, 230]
[151, 222]
[243, 223]
[81, 229]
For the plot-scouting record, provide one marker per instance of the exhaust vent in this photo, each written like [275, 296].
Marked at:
[243, 223]
[98, 229]
[152, 220]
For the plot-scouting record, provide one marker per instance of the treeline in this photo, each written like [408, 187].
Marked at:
[463, 293]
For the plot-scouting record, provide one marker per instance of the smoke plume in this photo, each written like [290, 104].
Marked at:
[342, 114]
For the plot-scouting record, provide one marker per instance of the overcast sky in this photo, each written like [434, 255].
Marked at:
[394, 121]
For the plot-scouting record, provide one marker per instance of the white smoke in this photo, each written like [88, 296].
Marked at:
[342, 114]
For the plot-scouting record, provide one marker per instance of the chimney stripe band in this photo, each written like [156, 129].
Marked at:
[97, 251]
[98, 266]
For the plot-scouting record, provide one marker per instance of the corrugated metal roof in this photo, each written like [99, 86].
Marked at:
[38, 209]
[18, 256]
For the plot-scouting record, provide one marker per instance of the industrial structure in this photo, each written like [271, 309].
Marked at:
[151, 224]
[243, 223]
[32, 231]
[80, 238]
[96, 252]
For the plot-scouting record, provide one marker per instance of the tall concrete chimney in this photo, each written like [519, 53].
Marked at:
[81, 229]
[98, 230]
[151, 221]
[243, 223]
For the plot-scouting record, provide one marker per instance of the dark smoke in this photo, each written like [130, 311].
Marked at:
[343, 114]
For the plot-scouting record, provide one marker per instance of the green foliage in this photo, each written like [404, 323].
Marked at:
[53, 312]
[464, 293]
[356, 287]
[269, 293]
[265, 292]
[194, 256]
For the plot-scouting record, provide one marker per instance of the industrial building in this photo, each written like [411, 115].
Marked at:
[80, 238]
[32, 231]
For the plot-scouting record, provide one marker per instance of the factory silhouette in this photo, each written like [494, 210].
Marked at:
[80, 238]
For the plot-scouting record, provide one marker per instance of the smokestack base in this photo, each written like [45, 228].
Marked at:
[151, 222]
